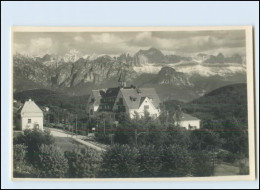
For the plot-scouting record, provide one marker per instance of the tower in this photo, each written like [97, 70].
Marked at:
[121, 81]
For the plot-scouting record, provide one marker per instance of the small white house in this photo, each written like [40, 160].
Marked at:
[189, 122]
[31, 116]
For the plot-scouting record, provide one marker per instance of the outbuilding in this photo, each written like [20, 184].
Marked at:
[31, 116]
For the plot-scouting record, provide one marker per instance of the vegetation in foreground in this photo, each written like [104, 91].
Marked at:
[149, 148]
[120, 160]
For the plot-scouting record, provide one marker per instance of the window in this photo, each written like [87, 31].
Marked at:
[29, 121]
[146, 107]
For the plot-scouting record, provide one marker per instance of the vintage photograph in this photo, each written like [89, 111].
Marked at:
[142, 103]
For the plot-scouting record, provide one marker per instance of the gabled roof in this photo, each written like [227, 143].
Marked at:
[134, 97]
[188, 117]
[111, 92]
[104, 94]
[97, 96]
[30, 109]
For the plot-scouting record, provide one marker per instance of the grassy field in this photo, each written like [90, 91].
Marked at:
[239, 167]
[67, 143]
[226, 170]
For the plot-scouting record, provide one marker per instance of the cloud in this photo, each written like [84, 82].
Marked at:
[36, 47]
[78, 39]
[105, 38]
[115, 43]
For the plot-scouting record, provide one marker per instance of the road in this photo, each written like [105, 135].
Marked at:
[78, 138]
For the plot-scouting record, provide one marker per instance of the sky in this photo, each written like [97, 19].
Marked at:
[85, 44]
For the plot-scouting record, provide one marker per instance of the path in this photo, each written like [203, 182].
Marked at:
[78, 138]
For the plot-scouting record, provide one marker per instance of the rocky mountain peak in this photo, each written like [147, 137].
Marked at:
[168, 75]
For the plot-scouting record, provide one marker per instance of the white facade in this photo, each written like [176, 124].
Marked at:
[146, 106]
[31, 116]
[191, 124]
[32, 123]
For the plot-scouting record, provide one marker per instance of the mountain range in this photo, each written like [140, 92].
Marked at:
[173, 76]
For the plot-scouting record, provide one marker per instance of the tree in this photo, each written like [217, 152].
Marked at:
[176, 161]
[120, 161]
[19, 151]
[83, 163]
[51, 162]
[33, 139]
[178, 116]
[150, 161]
[202, 163]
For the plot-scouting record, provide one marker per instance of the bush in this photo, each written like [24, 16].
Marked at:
[25, 170]
[150, 161]
[202, 164]
[51, 162]
[83, 163]
[19, 151]
[124, 135]
[229, 157]
[102, 138]
[120, 161]
[33, 139]
[176, 161]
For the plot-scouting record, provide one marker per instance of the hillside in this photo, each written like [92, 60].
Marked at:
[231, 94]
[225, 102]
[57, 102]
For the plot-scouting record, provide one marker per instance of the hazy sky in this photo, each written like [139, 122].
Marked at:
[115, 43]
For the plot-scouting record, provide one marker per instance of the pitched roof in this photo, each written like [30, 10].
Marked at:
[134, 99]
[188, 117]
[31, 109]
[111, 92]
[97, 96]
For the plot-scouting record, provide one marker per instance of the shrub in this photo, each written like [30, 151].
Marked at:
[150, 161]
[19, 153]
[202, 163]
[33, 139]
[203, 140]
[51, 162]
[25, 170]
[227, 156]
[124, 135]
[102, 138]
[176, 161]
[83, 163]
[120, 161]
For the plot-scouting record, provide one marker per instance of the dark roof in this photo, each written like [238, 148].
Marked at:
[188, 117]
[141, 101]
[111, 92]
[97, 96]
[133, 98]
